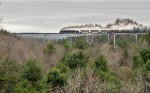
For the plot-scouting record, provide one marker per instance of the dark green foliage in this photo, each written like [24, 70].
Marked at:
[65, 44]
[146, 68]
[125, 42]
[56, 78]
[62, 41]
[32, 71]
[122, 43]
[142, 59]
[112, 83]
[8, 69]
[146, 37]
[101, 64]
[102, 71]
[137, 61]
[146, 75]
[31, 79]
[101, 39]
[50, 49]
[141, 66]
[24, 87]
[63, 68]
[78, 59]
[9, 75]
[80, 43]
[145, 54]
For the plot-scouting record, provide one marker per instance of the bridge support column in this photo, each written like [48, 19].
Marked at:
[71, 40]
[43, 38]
[114, 39]
[49, 39]
[27, 37]
[87, 39]
[92, 38]
[108, 38]
[136, 37]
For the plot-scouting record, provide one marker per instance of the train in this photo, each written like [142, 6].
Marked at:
[103, 31]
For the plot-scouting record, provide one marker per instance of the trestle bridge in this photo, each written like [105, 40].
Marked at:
[56, 36]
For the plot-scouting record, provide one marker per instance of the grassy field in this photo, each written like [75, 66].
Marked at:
[77, 67]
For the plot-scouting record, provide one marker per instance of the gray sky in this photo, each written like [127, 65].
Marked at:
[74, 0]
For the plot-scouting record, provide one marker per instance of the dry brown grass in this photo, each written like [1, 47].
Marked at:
[111, 53]
[21, 50]
[79, 82]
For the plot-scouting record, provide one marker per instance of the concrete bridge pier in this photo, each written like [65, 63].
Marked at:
[87, 38]
[43, 38]
[108, 38]
[136, 37]
[114, 39]
[27, 37]
[92, 38]
[49, 39]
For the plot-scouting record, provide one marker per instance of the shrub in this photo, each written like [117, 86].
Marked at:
[80, 43]
[142, 66]
[50, 49]
[101, 64]
[112, 88]
[65, 44]
[102, 71]
[62, 41]
[145, 54]
[122, 43]
[31, 80]
[146, 68]
[108, 77]
[9, 75]
[63, 68]
[32, 71]
[101, 39]
[137, 61]
[112, 83]
[125, 42]
[24, 87]
[146, 37]
[140, 60]
[56, 78]
[75, 60]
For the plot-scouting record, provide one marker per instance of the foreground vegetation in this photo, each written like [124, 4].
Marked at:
[77, 67]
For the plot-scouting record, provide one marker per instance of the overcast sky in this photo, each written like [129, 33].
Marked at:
[74, 0]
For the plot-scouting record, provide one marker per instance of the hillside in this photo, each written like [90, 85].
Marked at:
[73, 67]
